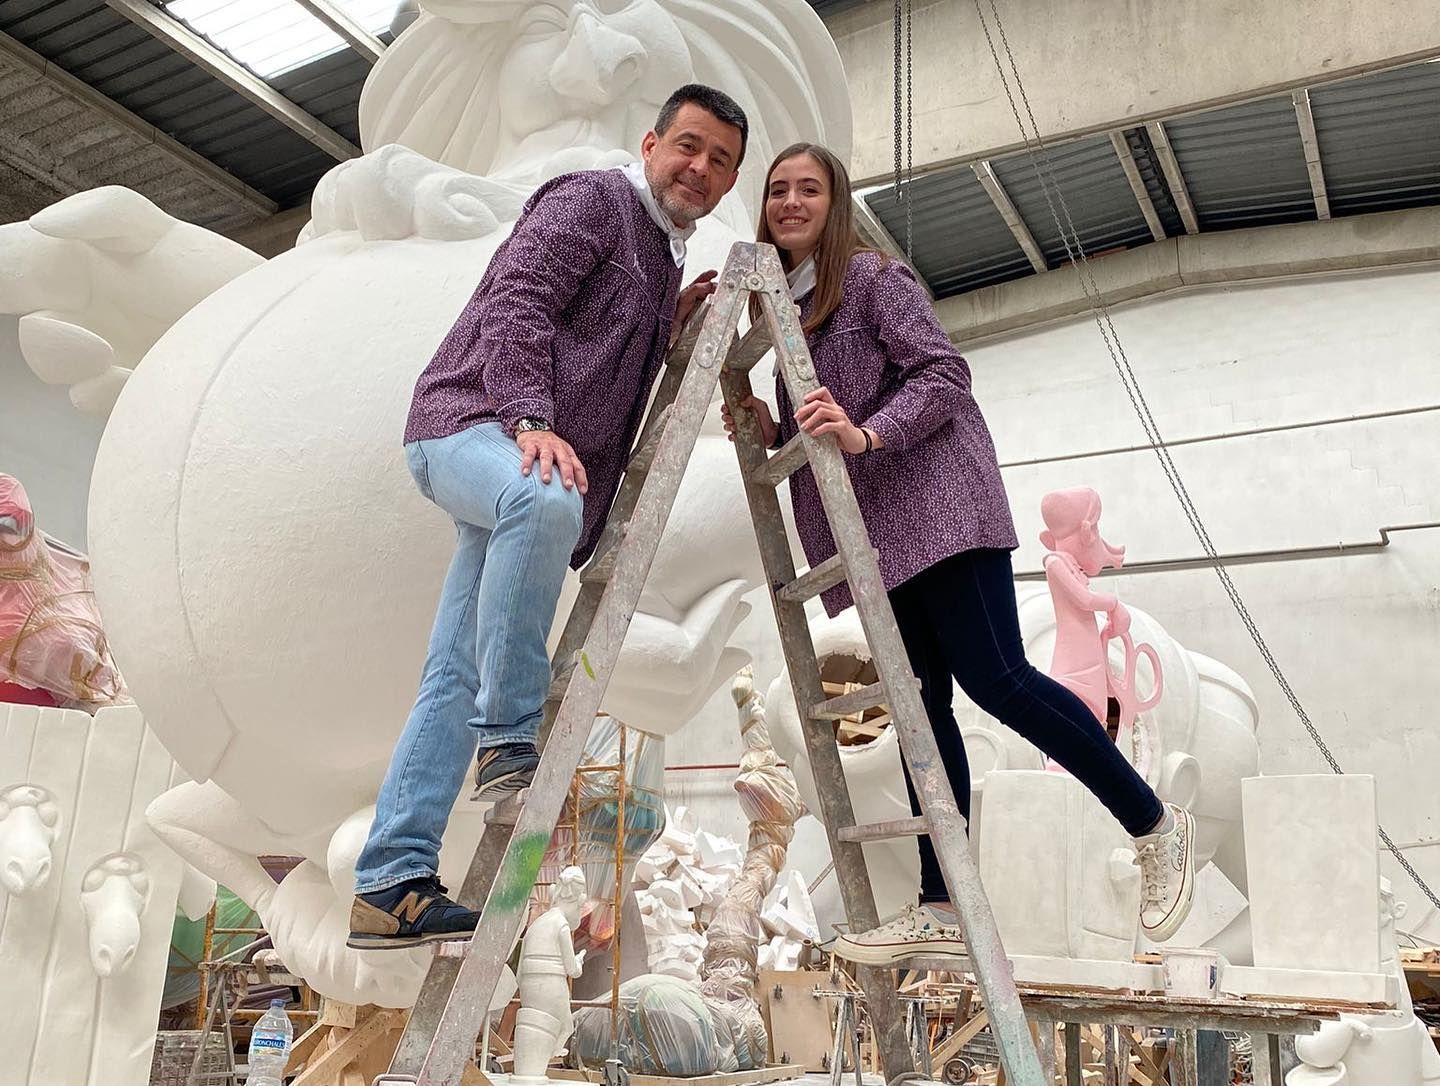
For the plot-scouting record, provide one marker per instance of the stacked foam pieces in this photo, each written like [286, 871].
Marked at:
[789, 918]
[678, 883]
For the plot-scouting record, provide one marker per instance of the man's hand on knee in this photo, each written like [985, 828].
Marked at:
[551, 451]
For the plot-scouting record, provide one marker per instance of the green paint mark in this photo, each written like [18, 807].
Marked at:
[519, 869]
[585, 663]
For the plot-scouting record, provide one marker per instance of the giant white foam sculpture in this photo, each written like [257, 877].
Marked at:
[265, 566]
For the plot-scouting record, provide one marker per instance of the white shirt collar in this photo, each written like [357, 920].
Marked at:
[802, 278]
[635, 171]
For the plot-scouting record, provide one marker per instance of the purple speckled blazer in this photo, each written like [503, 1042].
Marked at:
[934, 490]
[569, 324]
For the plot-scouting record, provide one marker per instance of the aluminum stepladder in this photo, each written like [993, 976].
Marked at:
[439, 1040]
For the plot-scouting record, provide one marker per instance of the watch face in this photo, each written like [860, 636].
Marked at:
[532, 424]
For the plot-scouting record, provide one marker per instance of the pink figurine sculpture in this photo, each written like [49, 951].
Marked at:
[1081, 659]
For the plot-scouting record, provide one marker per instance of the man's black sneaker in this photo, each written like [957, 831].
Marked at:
[501, 771]
[408, 915]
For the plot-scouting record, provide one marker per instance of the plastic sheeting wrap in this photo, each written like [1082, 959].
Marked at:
[771, 802]
[594, 849]
[665, 1029]
[50, 633]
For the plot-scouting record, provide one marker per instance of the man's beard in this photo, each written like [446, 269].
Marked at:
[683, 215]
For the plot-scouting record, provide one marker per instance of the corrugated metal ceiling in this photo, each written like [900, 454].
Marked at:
[1244, 165]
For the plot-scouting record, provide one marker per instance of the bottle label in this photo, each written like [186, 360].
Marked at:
[267, 1042]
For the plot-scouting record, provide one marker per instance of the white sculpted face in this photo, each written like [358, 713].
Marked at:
[586, 76]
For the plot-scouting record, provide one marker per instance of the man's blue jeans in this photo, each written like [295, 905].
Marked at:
[487, 673]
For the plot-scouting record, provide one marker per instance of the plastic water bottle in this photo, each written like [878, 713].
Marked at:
[270, 1047]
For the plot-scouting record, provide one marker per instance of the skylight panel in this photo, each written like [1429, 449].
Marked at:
[271, 37]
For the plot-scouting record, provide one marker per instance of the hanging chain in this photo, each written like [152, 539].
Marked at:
[1075, 251]
[899, 118]
[909, 135]
[904, 84]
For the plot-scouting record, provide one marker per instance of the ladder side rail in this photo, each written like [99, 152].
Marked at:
[508, 896]
[799, 649]
[442, 971]
[994, 973]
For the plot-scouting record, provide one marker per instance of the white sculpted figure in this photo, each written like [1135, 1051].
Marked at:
[29, 824]
[1392, 1048]
[547, 964]
[114, 894]
[266, 567]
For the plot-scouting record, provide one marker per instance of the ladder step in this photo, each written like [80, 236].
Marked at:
[809, 585]
[602, 566]
[752, 347]
[857, 701]
[782, 465]
[507, 810]
[885, 831]
[644, 454]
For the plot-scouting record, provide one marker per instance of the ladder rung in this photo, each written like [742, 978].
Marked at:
[884, 831]
[857, 701]
[809, 585]
[751, 348]
[782, 465]
[603, 565]
[644, 454]
[507, 810]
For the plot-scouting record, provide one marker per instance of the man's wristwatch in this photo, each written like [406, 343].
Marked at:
[530, 425]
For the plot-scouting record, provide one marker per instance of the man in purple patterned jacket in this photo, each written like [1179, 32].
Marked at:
[530, 405]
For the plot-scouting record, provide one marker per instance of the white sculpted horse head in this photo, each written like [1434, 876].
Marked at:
[268, 571]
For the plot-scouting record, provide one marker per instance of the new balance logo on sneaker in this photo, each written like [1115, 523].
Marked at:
[408, 915]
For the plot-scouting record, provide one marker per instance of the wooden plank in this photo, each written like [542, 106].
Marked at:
[952, 1045]
[305, 1047]
[323, 1070]
[799, 1022]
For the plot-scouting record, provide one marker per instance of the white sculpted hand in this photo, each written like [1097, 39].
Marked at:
[98, 278]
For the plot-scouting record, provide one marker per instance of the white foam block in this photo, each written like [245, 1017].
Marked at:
[1313, 862]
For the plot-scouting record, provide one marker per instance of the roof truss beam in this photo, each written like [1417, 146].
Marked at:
[359, 39]
[1170, 167]
[1311, 143]
[874, 232]
[1137, 185]
[235, 75]
[985, 174]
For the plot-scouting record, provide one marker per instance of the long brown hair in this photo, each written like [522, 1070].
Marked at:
[839, 240]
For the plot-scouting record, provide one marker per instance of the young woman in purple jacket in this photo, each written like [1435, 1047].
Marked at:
[896, 396]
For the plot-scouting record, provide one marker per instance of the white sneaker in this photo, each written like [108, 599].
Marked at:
[915, 932]
[1167, 875]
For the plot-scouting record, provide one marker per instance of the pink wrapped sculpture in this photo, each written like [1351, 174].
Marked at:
[1081, 659]
[50, 633]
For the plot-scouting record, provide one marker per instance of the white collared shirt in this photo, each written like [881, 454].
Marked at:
[802, 278]
[635, 171]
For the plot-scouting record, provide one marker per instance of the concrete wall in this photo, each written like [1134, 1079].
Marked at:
[45, 443]
[1310, 416]
[1091, 65]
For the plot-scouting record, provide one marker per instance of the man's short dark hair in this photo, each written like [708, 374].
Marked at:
[717, 103]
